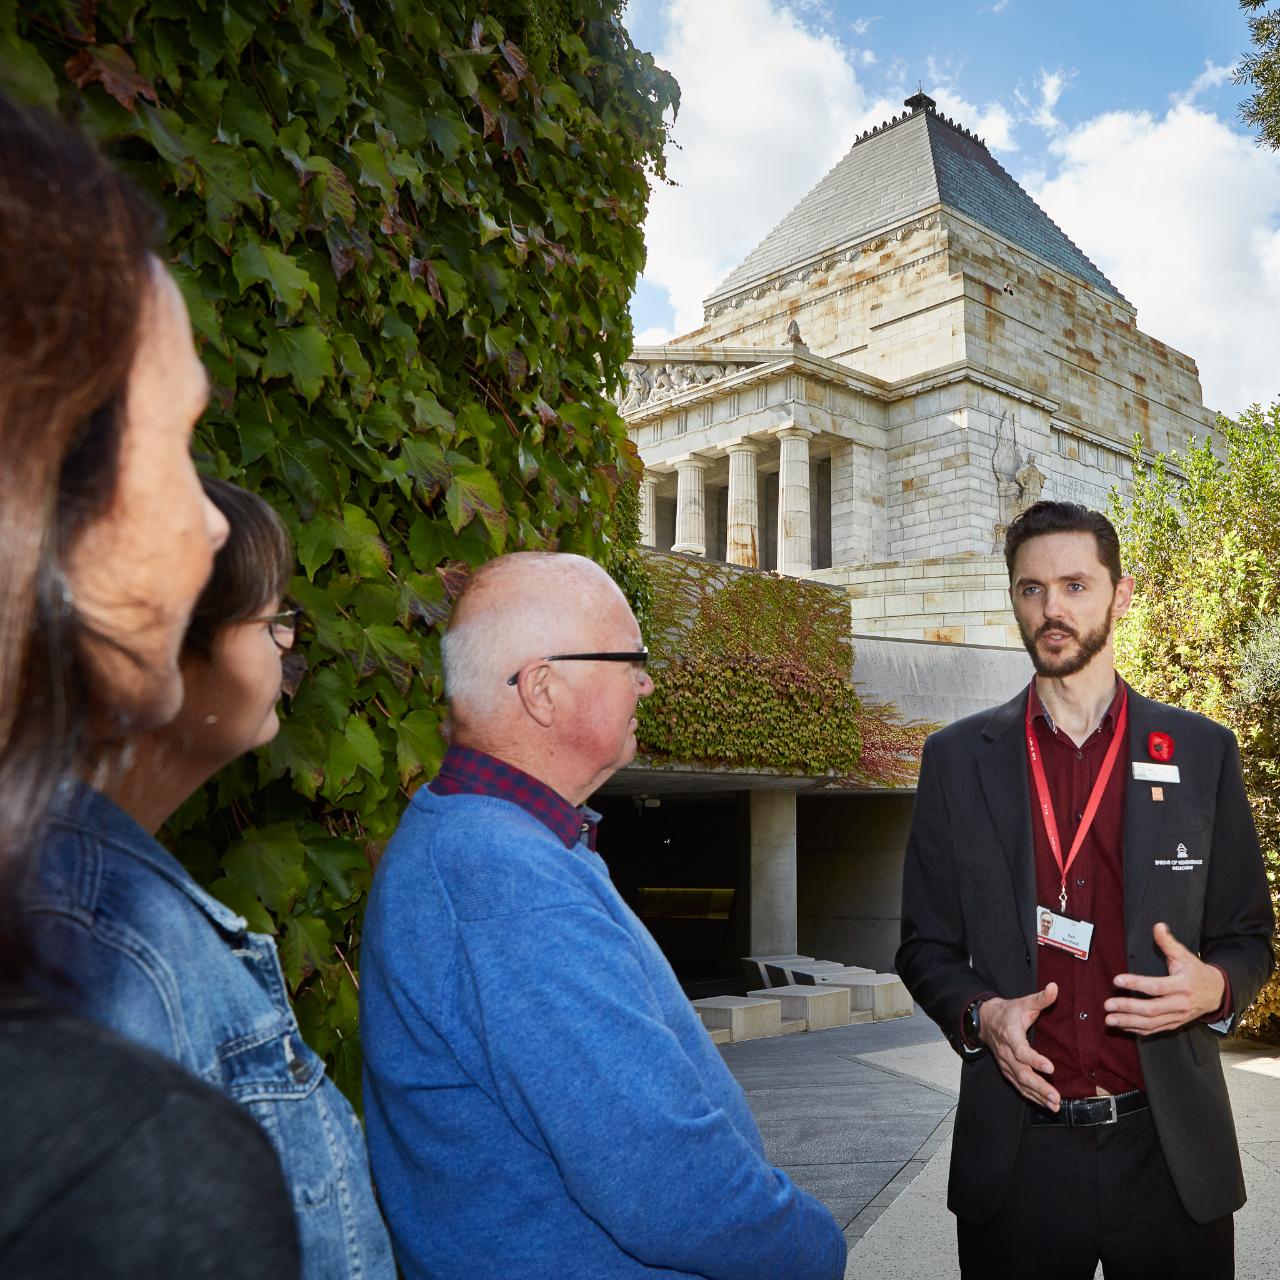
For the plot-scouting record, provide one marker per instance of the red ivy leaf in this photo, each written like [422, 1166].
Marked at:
[454, 575]
[393, 224]
[509, 85]
[515, 59]
[110, 66]
[421, 269]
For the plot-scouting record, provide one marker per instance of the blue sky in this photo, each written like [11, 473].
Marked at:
[1120, 118]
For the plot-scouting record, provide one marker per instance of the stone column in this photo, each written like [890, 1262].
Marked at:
[795, 543]
[649, 510]
[743, 540]
[773, 873]
[691, 509]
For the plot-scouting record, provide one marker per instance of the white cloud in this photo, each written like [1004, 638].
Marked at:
[994, 123]
[768, 105]
[1182, 213]
[1212, 77]
[1050, 84]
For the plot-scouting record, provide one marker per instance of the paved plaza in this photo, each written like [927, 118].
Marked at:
[861, 1116]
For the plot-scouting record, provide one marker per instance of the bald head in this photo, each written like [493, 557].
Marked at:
[569, 723]
[518, 607]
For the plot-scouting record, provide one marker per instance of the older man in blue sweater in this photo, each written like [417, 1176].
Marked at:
[542, 1102]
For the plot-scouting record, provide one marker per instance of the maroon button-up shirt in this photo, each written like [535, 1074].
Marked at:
[1072, 1033]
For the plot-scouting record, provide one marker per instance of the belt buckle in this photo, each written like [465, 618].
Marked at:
[1115, 1115]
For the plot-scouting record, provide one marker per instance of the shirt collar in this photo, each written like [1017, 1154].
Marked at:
[466, 771]
[1039, 710]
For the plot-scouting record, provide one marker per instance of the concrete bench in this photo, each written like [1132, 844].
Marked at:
[820, 1007]
[882, 993]
[743, 1018]
[753, 967]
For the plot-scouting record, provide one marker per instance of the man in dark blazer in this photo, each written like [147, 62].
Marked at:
[1084, 913]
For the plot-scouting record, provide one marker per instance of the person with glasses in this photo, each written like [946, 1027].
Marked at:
[542, 1100]
[125, 934]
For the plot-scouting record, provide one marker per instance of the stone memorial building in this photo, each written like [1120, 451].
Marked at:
[911, 356]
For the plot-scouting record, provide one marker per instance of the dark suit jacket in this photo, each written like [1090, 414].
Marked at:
[968, 926]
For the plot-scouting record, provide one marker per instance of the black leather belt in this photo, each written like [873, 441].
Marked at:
[1086, 1113]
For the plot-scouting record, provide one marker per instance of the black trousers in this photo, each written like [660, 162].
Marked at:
[1080, 1196]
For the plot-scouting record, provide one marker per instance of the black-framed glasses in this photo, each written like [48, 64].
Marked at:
[282, 627]
[637, 656]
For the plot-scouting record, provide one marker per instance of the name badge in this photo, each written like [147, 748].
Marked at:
[1144, 771]
[1064, 933]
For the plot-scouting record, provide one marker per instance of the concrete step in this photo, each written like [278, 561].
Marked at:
[791, 1025]
[810, 975]
[719, 1035]
[753, 967]
[820, 1007]
[782, 974]
[743, 1017]
[882, 993]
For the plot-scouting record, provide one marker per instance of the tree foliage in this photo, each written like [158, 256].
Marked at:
[1202, 632]
[407, 235]
[1260, 70]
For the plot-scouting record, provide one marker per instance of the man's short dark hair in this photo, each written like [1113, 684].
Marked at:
[1064, 517]
[250, 571]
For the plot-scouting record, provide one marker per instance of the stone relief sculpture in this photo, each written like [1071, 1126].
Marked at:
[1019, 482]
[1005, 462]
[1030, 483]
[648, 382]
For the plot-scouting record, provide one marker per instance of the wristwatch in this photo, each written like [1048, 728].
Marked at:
[971, 1024]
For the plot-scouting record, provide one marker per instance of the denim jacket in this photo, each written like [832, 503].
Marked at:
[126, 937]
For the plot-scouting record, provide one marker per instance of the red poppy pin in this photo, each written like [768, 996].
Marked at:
[1160, 747]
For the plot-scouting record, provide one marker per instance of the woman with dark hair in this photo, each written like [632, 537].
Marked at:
[114, 1161]
[140, 948]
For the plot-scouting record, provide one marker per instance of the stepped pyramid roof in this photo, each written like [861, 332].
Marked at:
[906, 165]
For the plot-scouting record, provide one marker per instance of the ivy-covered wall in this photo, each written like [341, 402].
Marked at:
[753, 670]
[407, 234]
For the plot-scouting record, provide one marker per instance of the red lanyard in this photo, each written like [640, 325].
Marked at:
[1095, 797]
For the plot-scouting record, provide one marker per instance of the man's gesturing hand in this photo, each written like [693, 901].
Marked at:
[1003, 1026]
[1191, 990]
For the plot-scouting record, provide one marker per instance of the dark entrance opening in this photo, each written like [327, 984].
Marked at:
[678, 865]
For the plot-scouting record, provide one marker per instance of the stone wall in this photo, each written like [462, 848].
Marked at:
[956, 600]
[849, 878]
[1060, 338]
[890, 307]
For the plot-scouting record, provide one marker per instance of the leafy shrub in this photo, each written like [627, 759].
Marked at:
[1202, 633]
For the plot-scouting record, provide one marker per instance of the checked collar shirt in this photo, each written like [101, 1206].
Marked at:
[466, 771]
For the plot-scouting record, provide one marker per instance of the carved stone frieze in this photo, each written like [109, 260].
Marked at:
[648, 382]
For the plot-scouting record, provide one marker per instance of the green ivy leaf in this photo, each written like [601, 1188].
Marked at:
[268, 862]
[301, 353]
[304, 947]
[254, 261]
[473, 493]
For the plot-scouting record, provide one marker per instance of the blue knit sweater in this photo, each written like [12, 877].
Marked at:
[541, 1099]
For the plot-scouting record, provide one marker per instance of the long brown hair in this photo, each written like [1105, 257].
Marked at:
[75, 266]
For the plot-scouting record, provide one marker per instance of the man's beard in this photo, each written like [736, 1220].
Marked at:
[1067, 664]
